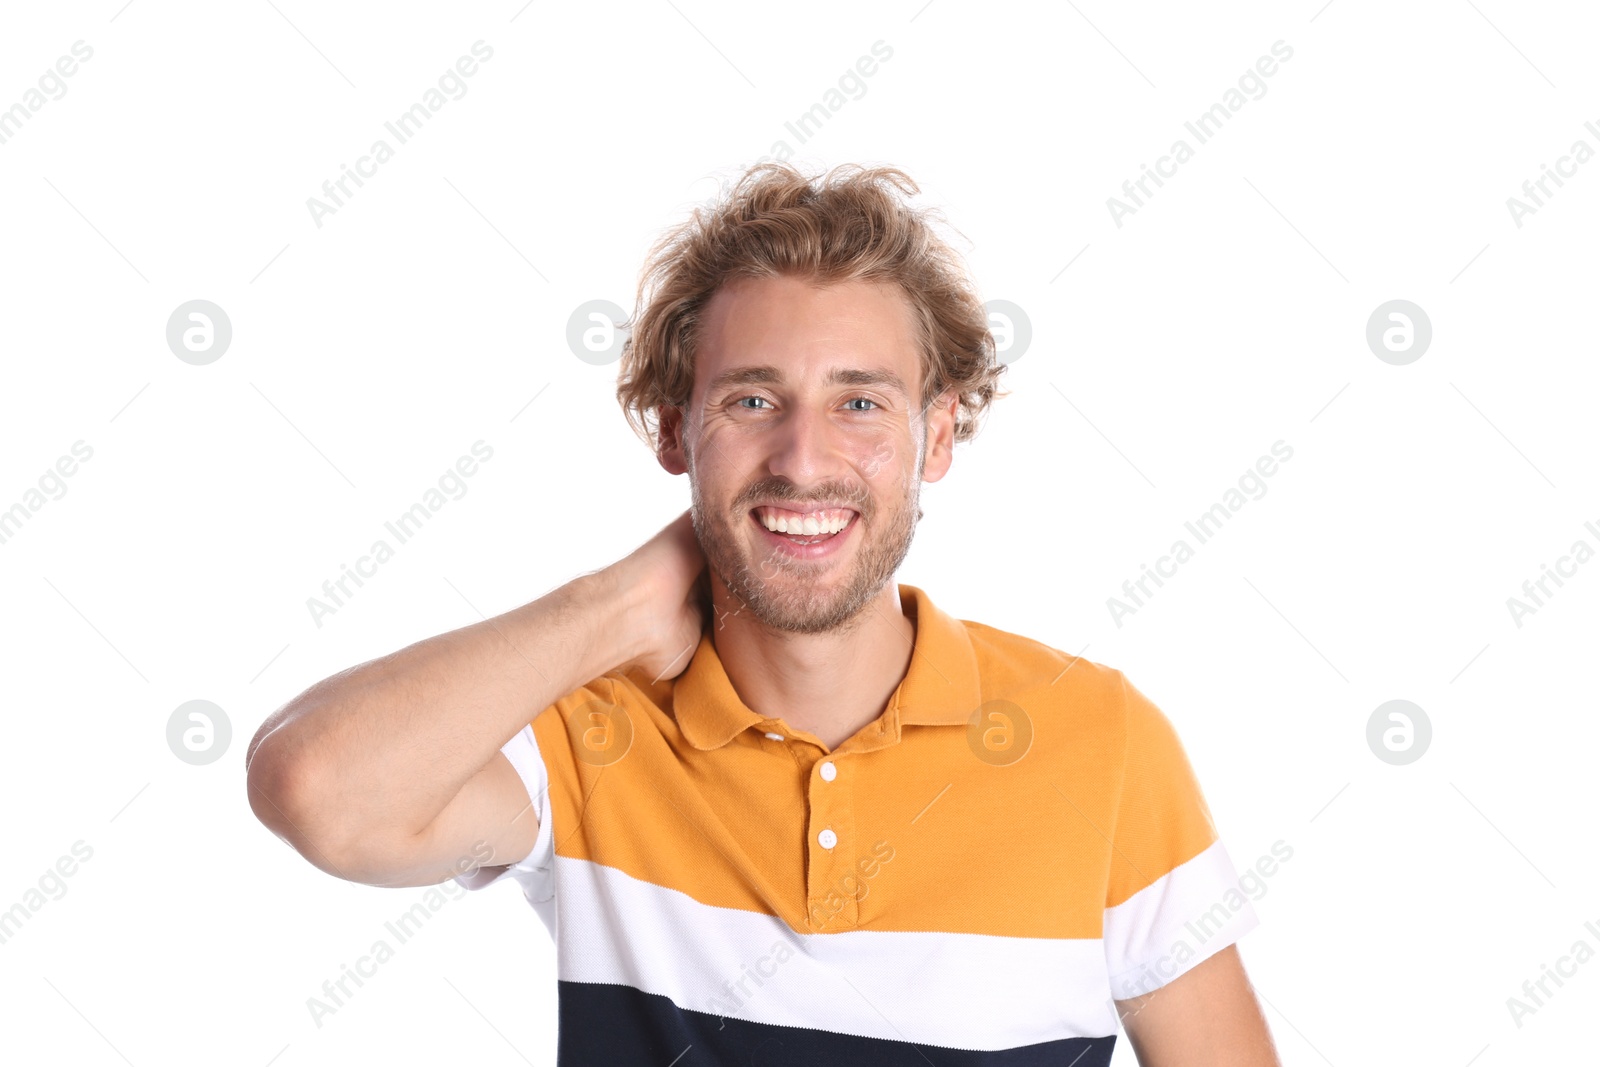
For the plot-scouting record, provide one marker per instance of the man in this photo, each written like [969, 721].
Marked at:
[773, 807]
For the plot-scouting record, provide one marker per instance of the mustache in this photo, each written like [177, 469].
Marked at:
[854, 495]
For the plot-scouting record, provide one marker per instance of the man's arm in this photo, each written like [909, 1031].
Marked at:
[1206, 1017]
[390, 773]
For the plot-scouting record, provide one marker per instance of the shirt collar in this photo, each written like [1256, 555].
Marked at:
[940, 687]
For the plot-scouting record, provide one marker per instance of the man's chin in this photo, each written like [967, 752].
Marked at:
[791, 595]
[798, 604]
[804, 622]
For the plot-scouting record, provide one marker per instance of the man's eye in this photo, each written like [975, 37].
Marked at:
[742, 399]
[863, 400]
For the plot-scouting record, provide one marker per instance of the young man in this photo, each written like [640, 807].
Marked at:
[774, 807]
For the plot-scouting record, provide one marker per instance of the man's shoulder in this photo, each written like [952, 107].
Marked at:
[1009, 660]
[1091, 694]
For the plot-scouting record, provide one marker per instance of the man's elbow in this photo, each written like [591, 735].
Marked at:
[283, 791]
[306, 804]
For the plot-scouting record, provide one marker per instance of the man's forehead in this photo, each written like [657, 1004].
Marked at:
[808, 308]
[788, 331]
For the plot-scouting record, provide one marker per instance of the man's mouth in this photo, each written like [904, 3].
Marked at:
[804, 527]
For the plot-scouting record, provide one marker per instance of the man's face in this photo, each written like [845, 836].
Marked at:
[805, 416]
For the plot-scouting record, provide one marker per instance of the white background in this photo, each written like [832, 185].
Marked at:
[368, 354]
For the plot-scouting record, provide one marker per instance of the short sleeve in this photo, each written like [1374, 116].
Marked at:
[535, 872]
[1173, 898]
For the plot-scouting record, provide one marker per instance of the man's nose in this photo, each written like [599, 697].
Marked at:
[802, 446]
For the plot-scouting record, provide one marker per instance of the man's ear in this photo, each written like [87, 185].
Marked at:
[669, 440]
[939, 449]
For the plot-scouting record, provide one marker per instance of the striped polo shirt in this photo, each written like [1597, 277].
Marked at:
[972, 878]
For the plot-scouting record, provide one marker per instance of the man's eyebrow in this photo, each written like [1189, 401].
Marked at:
[887, 379]
[770, 375]
[764, 375]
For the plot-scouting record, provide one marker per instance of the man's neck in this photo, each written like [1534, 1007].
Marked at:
[829, 685]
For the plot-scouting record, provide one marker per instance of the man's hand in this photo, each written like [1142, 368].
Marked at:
[1206, 1017]
[665, 572]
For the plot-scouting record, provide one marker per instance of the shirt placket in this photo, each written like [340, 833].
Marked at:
[832, 846]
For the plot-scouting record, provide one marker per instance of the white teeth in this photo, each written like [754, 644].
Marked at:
[828, 522]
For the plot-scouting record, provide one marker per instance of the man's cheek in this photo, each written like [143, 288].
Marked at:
[878, 460]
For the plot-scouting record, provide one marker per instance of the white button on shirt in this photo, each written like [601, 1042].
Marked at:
[776, 737]
[827, 839]
[828, 771]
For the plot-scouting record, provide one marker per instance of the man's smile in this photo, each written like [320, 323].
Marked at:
[811, 534]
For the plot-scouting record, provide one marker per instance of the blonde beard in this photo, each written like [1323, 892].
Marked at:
[808, 610]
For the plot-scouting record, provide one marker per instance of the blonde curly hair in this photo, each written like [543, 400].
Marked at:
[844, 225]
